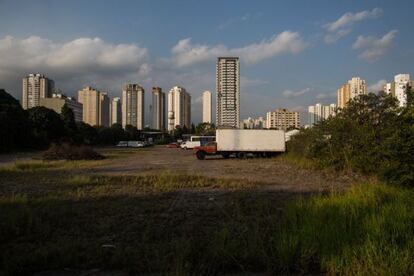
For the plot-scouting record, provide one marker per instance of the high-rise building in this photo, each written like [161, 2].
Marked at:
[133, 99]
[57, 101]
[158, 109]
[251, 123]
[207, 107]
[282, 119]
[104, 109]
[353, 88]
[95, 106]
[116, 111]
[36, 87]
[228, 92]
[399, 88]
[179, 108]
[319, 112]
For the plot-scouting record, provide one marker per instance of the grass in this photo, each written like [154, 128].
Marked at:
[176, 224]
[367, 231]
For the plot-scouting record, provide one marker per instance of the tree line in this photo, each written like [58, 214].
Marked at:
[372, 135]
[38, 127]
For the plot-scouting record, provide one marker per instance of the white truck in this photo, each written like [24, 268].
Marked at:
[242, 142]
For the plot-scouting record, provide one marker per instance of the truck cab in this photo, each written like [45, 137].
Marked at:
[208, 149]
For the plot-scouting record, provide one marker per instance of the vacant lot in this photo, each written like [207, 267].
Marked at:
[274, 173]
[152, 210]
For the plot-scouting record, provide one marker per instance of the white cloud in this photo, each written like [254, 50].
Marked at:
[378, 86]
[247, 82]
[290, 93]
[343, 25]
[321, 96]
[81, 55]
[299, 108]
[185, 53]
[372, 47]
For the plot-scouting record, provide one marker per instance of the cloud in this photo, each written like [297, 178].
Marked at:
[299, 108]
[247, 82]
[343, 25]
[374, 48]
[185, 53]
[290, 93]
[321, 96]
[82, 55]
[378, 86]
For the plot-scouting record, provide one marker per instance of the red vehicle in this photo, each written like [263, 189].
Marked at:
[173, 145]
[208, 149]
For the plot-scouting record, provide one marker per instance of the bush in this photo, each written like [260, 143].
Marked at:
[71, 152]
[372, 135]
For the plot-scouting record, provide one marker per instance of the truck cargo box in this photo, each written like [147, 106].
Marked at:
[250, 140]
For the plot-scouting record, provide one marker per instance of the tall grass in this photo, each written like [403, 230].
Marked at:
[367, 231]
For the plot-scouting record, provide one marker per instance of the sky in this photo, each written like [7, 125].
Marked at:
[292, 53]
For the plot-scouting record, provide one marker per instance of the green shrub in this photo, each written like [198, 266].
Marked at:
[371, 135]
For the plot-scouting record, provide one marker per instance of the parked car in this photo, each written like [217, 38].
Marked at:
[173, 145]
[196, 141]
[122, 144]
[136, 144]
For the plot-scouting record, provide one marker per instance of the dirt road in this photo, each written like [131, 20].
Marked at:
[275, 173]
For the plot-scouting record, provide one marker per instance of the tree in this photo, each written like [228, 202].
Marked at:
[68, 119]
[178, 132]
[205, 129]
[118, 132]
[47, 125]
[87, 134]
[131, 133]
[14, 124]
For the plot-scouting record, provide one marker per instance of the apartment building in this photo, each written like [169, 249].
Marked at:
[351, 89]
[57, 101]
[207, 118]
[92, 103]
[158, 109]
[179, 108]
[228, 92]
[36, 87]
[319, 112]
[133, 99]
[282, 119]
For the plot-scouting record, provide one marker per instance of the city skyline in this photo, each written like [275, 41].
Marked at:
[286, 62]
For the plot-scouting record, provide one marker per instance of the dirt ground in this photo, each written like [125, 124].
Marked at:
[127, 212]
[275, 173]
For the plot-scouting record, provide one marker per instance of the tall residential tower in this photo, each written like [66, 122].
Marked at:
[116, 111]
[207, 107]
[228, 92]
[158, 109]
[36, 87]
[353, 88]
[133, 97]
[399, 88]
[179, 108]
[95, 106]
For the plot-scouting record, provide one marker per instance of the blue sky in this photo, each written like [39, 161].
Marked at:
[293, 53]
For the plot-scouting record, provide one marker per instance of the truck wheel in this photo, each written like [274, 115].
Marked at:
[225, 155]
[201, 155]
[241, 155]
